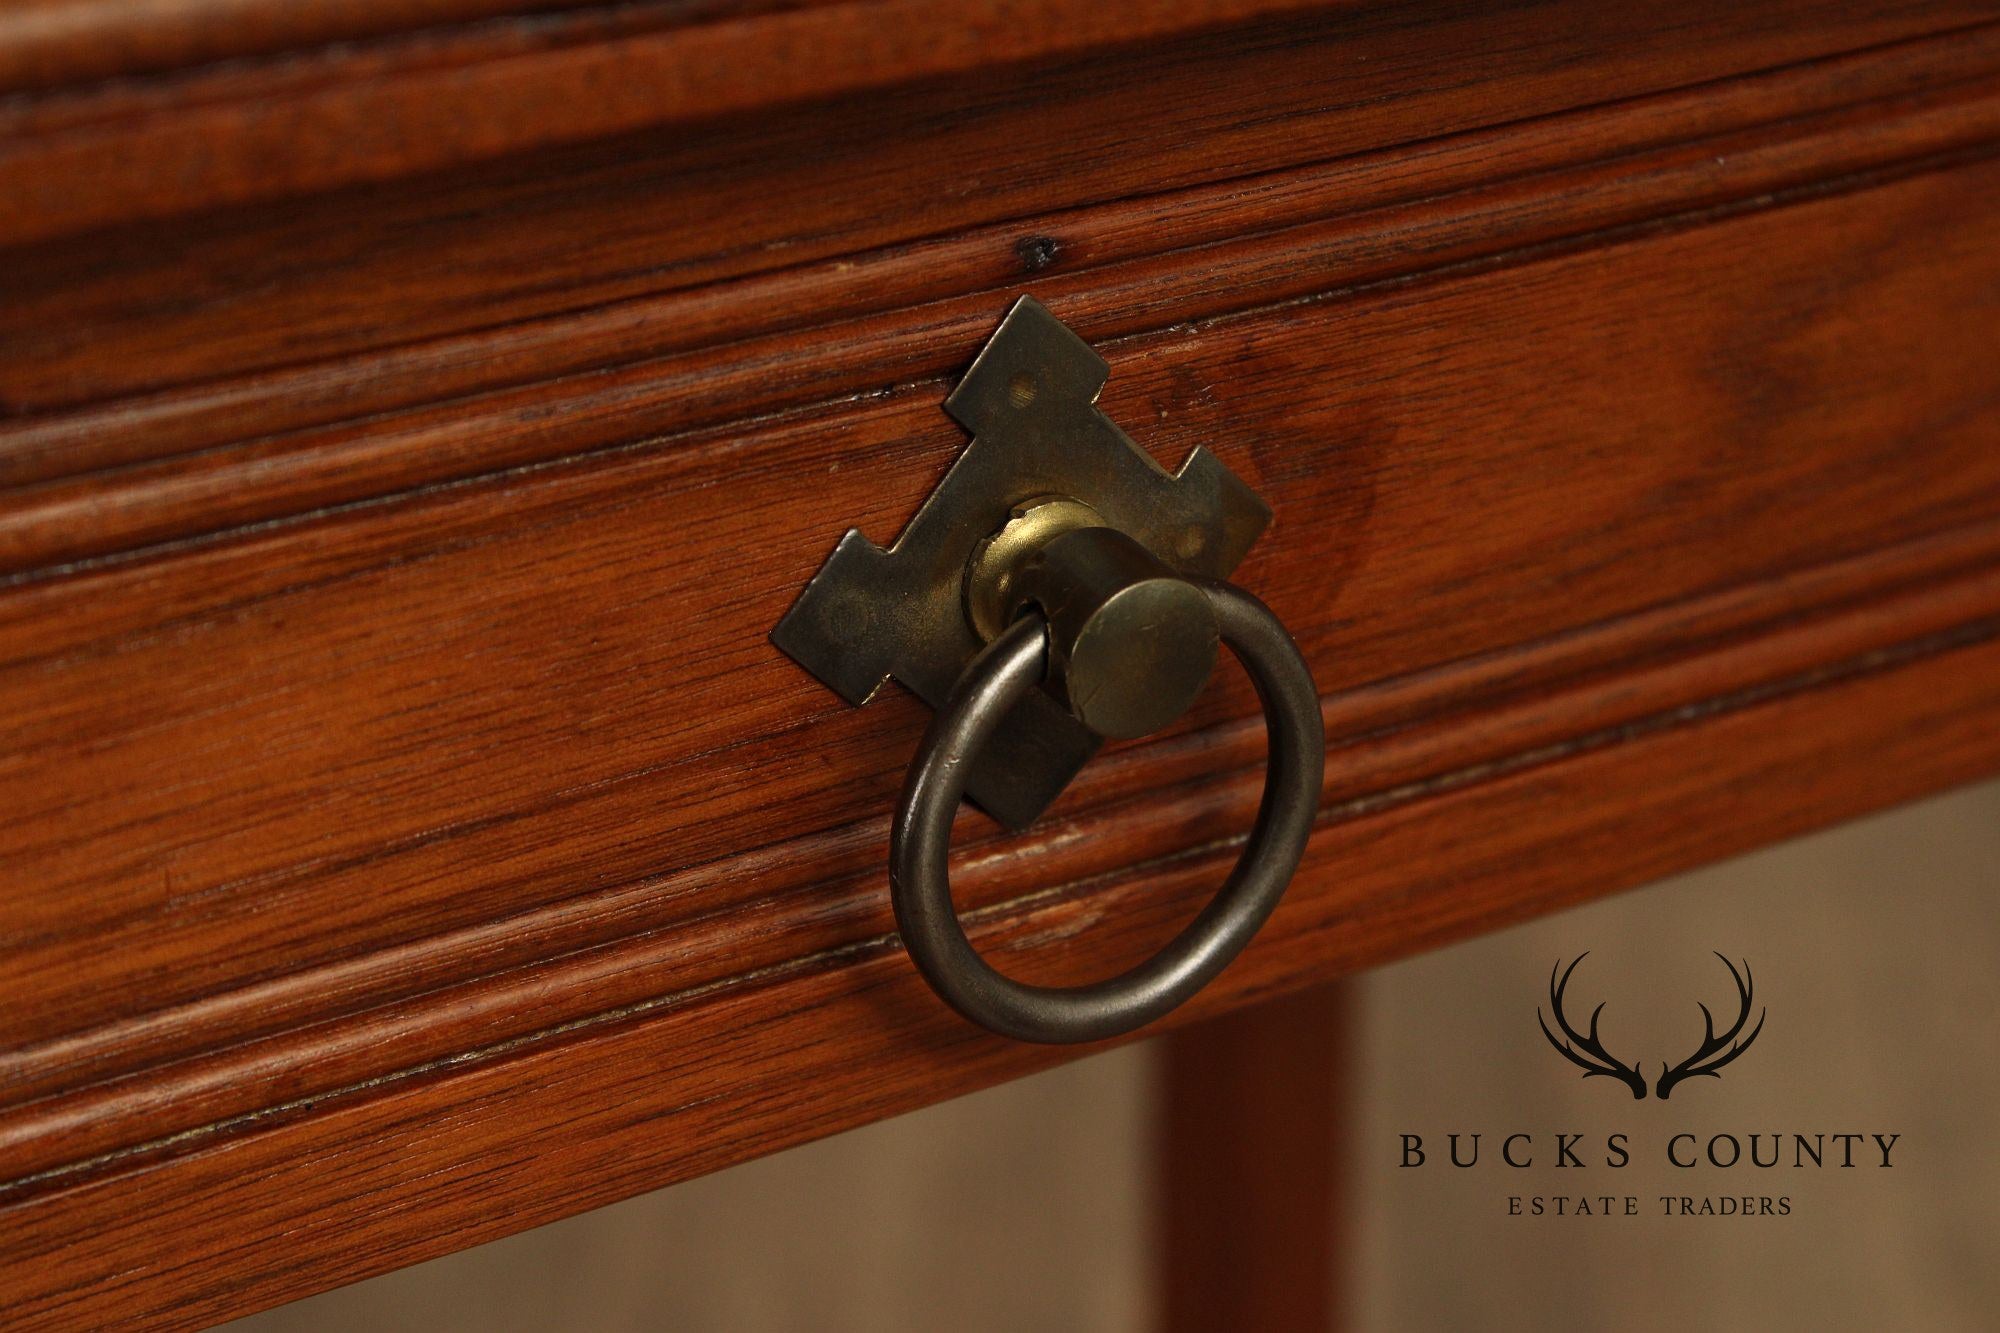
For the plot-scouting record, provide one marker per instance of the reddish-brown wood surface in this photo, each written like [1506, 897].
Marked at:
[415, 836]
[684, 1083]
[52, 43]
[77, 158]
[539, 266]
[1252, 1221]
[380, 727]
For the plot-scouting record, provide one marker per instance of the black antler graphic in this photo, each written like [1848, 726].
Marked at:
[1602, 1063]
[1712, 1045]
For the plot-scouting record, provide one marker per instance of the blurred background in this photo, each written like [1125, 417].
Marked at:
[1028, 1206]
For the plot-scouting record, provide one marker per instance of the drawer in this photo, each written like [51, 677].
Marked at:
[405, 460]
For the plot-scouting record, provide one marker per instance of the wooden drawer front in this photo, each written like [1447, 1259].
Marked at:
[417, 837]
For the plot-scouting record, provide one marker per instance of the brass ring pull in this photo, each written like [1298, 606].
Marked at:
[1015, 663]
[1089, 574]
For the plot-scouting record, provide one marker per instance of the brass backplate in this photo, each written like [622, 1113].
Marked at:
[1029, 401]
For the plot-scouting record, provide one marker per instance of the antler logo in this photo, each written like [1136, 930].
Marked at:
[1587, 1052]
[1595, 1061]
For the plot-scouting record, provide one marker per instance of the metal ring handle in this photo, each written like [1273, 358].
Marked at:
[919, 842]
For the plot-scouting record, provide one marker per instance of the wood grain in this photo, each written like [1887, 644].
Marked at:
[380, 274]
[316, 1032]
[293, 127]
[1295, 236]
[408, 720]
[56, 43]
[470, 1150]
[173, 1012]
[415, 836]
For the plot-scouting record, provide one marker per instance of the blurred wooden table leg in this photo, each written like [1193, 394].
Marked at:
[1251, 1115]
